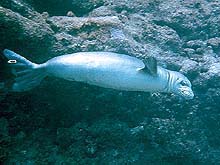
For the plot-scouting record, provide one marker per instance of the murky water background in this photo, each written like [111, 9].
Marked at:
[74, 123]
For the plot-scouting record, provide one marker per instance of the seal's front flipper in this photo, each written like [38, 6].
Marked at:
[27, 74]
[150, 66]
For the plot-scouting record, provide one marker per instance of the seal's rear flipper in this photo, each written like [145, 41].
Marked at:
[27, 74]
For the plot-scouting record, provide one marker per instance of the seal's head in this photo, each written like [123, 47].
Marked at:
[180, 85]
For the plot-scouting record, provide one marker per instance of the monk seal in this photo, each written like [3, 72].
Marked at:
[104, 69]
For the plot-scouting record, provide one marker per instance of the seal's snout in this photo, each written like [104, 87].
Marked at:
[187, 93]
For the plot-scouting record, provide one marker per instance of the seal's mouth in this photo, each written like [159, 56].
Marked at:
[186, 92]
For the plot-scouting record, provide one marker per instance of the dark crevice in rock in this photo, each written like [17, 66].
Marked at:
[181, 31]
[61, 8]
[52, 26]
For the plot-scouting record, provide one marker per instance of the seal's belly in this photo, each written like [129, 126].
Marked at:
[106, 71]
[113, 77]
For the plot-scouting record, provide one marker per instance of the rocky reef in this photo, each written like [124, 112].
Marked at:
[63, 122]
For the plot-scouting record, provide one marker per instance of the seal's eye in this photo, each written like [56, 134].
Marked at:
[183, 83]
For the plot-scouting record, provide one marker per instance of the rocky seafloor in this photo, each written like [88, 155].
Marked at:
[62, 122]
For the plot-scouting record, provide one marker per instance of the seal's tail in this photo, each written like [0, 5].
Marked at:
[27, 75]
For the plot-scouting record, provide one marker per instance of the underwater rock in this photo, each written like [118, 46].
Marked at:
[66, 43]
[102, 11]
[167, 38]
[5, 139]
[67, 136]
[135, 6]
[75, 24]
[17, 29]
[3, 127]
[208, 79]
[117, 34]
[189, 51]
[214, 43]
[172, 140]
[212, 76]
[195, 44]
[24, 9]
[70, 14]
[190, 19]
[190, 68]
[82, 33]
